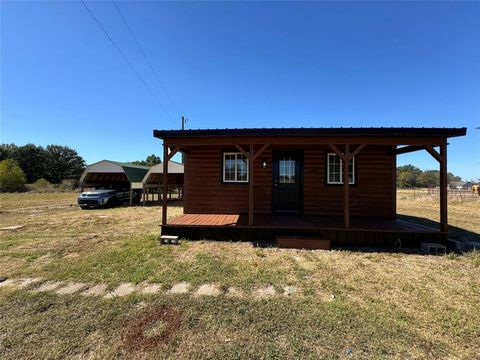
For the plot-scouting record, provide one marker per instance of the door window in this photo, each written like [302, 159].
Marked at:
[286, 169]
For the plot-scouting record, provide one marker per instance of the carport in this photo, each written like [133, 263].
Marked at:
[113, 175]
[152, 182]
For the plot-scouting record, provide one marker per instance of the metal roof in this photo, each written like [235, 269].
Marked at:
[155, 172]
[174, 167]
[134, 173]
[362, 131]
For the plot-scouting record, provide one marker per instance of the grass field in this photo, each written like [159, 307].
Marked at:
[345, 304]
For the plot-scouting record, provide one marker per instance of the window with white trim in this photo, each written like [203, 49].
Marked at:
[235, 167]
[335, 169]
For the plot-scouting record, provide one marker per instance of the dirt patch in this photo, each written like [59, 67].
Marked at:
[150, 289]
[234, 292]
[122, 290]
[151, 329]
[97, 290]
[180, 288]
[49, 286]
[265, 292]
[208, 290]
[28, 281]
[71, 288]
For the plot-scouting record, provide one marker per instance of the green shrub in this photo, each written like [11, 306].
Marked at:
[41, 185]
[12, 177]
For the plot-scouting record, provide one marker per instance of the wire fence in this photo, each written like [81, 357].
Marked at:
[434, 193]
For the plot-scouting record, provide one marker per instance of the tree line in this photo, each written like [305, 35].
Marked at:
[411, 176]
[30, 163]
[149, 161]
[53, 164]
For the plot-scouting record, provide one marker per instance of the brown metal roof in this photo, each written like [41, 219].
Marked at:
[363, 131]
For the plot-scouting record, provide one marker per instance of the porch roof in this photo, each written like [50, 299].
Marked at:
[363, 131]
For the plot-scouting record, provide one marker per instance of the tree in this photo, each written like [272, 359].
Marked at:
[139, 162]
[152, 160]
[451, 177]
[8, 151]
[429, 178]
[63, 163]
[407, 176]
[12, 177]
[149, 161]
[33, 161]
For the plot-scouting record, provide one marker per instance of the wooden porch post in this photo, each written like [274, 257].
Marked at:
[250, 186]
[345, 159]
[164, 184]
[443, 189]
[346, 187]
[442, 160]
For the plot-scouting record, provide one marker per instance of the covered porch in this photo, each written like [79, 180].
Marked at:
[363, 231]
[356, 208]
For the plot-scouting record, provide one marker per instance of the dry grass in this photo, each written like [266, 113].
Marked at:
[463, 211]
[384, 305]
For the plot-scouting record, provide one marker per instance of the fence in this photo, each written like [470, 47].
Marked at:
[419, 193]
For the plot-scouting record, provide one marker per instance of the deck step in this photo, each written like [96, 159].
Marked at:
[303, 242]
[169, 239]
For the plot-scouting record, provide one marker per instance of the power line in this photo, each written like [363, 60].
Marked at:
[145, 56]
[127, 61]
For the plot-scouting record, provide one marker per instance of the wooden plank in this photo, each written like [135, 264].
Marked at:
[302, 140]
[164, 184]
[243, 151]
[443, 189]
[303, 242]
[250, 188]
[408, 149]
[346, 189]
[260, 151]
[434, 153]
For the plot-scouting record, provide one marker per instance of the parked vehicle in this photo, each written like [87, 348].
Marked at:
[106, 198]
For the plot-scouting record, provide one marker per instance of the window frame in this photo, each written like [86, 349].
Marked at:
[350, 182]
[235, 181]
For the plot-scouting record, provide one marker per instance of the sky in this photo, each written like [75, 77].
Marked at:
[227, 65]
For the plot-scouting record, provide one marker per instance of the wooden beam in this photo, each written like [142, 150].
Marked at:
[408, 149]
[250, 189]
[346, 189]
[260, 151]
[173, 152]
[434, 153]
[394, 186]
[164, 185]
[306, 140]
[239, 148]
[356, 151]
[337, 151]
[443, 189]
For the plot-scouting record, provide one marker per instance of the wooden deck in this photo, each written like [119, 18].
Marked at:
[364, 231]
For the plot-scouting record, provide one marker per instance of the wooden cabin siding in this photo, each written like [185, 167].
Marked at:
[370, 196]
[204, 191]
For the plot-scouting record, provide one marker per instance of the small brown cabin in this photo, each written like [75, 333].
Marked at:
[333, 183]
